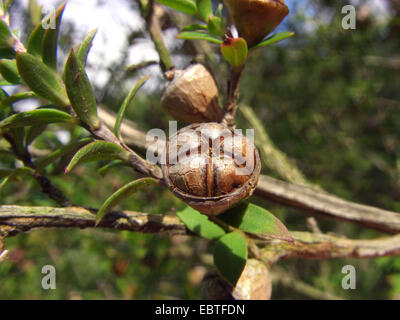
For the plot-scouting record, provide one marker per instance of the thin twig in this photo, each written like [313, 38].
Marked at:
[136, 67]
[45, 183]
[230, 106]
[147, 9]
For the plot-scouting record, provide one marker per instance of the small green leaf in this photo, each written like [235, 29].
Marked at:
[230, 256]
[50, 40]
[196, 35]
[36, 117]
[17, 97]
[195, 27]
[15, 173]
[103, 170]
[33, 132]
[274, 39]
[18, 135]
[215, 25]
[43, 80]
[34, 12]
[256, 220]
[3, 94]
[7, 53]
[64, 150]
[9, 71]
[6, 38]
[204, 9]
[126, 103]
[34, 45]
[185, 6]
[98, 150]
[80, 91]
[199, 223]
[84, 47]
[36, 40]
[121, 194]
[235, 51]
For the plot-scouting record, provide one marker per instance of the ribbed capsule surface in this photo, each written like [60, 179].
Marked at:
[211, 167]
[192, 96]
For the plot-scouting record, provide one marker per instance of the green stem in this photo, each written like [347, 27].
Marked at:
[154, 29]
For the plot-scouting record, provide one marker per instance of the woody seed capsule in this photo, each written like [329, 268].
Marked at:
[192, 96]
[255, 19]
[211, 167]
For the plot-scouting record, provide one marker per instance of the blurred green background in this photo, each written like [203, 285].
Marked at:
[329, 98]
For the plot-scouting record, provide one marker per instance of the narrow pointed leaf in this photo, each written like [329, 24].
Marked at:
[185, 6]
[199, 223]
[121, 194]
[15, 173]
[33, 132]
[9, 71]
[196, 35]
[19, 139]
[274, 39]
[103, 170]
[126, 103]
[50, 40]
[195, 27]
[6, 39]
[43, 80]
[230, 256]
[84, 47]
[17, 97]
[96, 151]
[7, 53]
[256, 220]
[215, 25]
[36, 117]
[80, 91]
[61, 152]
[204, 9]
[34, 45]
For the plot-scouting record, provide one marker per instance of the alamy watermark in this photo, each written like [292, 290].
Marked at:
[49, 280]
[349, 280]
[350, 19]
[50, 21]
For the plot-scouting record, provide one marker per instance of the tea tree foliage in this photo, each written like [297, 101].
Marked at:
[325, 97]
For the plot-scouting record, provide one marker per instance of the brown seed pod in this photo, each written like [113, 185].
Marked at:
[192, 96]
[211, 167]
[255, 19]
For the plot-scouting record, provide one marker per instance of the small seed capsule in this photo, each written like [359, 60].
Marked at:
[192, 96]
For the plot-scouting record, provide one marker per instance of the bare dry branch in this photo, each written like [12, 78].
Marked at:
[321, 246]
[17, 219]
[321, 203]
